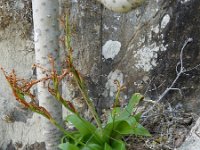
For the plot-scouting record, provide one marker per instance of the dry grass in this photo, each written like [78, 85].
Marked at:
[168, 126]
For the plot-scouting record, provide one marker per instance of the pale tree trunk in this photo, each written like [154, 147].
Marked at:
[46, 34]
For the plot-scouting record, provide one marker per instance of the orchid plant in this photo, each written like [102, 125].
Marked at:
[87, 135]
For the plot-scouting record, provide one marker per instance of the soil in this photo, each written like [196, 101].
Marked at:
[168, 127]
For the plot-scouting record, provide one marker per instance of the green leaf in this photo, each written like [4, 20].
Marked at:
[137, 117]
[118, 145]
[133, 102]
[68, 146]
[88, 132]
[130, 126]
[140, 130]
[126, 126]
[118, 129]
[107, 147]
[92, 146]
[64, 138]
[83, 126]
[137, 129]
[123, 128]
[129, 109]
[107, 131]
[110, 132]
[115, 112]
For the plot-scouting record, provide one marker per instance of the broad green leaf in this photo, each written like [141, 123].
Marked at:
[126, 126]
[133, 102]
[83, 126]
[87, 130]
[92, 146]
[140, 130]
[137, 117]
[75, 134]
[68, 146]
[131, 126]
[129, 109]
[107, 131]
[137, 129]
[107, 147]
[123, 128]
[116, 111]
[118, 129]
[118, 145]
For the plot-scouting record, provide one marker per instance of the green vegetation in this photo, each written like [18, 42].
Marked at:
[119, 124]
[87, 135]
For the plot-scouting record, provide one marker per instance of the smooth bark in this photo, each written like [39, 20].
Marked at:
[46, 34]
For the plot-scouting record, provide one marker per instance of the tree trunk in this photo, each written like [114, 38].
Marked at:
[46, 33]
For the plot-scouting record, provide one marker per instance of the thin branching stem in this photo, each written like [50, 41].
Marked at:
[182, 70]
[179, 73]
[77, 76]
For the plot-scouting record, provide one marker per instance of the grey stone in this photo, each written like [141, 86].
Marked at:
[151, 38]
[192, 141]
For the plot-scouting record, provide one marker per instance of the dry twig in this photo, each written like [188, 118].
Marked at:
[179, 73]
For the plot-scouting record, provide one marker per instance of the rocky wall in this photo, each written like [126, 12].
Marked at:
[141, 49]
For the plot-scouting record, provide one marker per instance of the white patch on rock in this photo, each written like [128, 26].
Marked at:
[146, 56]
[111, 87]
[184, 1]
[115, 28]
[97, 28]
[141, 41]
[105, 27]
[111, 49]
[165, 21]
[117, 16]
[155, 29]
[19, 5]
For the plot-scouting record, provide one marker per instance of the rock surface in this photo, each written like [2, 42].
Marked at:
[192, 141]
[144, 47]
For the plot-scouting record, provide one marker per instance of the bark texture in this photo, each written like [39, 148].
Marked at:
[46, 34]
